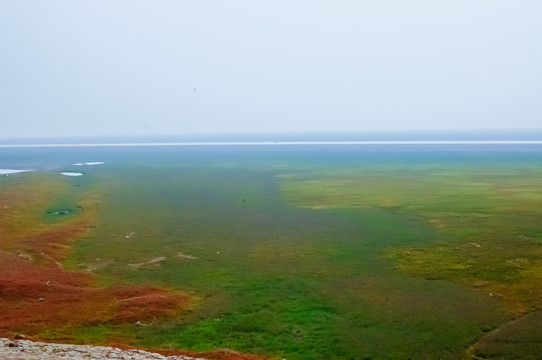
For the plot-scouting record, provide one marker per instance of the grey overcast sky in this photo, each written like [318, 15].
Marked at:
[131, 67]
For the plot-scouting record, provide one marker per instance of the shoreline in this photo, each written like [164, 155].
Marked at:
[282, 143]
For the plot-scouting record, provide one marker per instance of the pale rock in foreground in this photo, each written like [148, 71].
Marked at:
[30, 350]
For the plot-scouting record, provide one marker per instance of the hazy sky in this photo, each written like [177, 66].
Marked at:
[175, 67]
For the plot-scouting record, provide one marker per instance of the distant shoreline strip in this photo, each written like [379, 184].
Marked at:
[282, 143]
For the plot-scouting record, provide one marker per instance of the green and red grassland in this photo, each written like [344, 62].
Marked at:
[297, 258]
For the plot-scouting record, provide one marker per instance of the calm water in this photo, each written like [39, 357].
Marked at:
[61, 158]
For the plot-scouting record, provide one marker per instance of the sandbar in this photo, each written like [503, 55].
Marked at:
[91, 163]
[11, 171]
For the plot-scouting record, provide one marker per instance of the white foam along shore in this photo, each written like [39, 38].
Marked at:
[91, 163]
[70, 173]
[12, 171]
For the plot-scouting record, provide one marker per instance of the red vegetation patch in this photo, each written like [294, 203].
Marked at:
[149, 303]
[221, 354]
[54, 243]
[228, 355]
[34, 297]
[36, 293]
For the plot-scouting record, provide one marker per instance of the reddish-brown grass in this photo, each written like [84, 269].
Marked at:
[35, 296]
[36, 293]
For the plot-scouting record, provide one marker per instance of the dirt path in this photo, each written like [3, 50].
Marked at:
[519, 339]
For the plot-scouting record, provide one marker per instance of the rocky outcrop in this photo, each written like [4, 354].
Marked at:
[30, 350]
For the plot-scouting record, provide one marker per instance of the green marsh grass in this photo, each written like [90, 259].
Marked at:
[318, 255]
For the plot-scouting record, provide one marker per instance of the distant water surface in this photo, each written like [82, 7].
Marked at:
[516, 135]
[528, 147]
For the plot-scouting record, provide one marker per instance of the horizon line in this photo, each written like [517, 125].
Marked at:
[282, 143]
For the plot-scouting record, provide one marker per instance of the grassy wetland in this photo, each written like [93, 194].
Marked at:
[345, 252]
